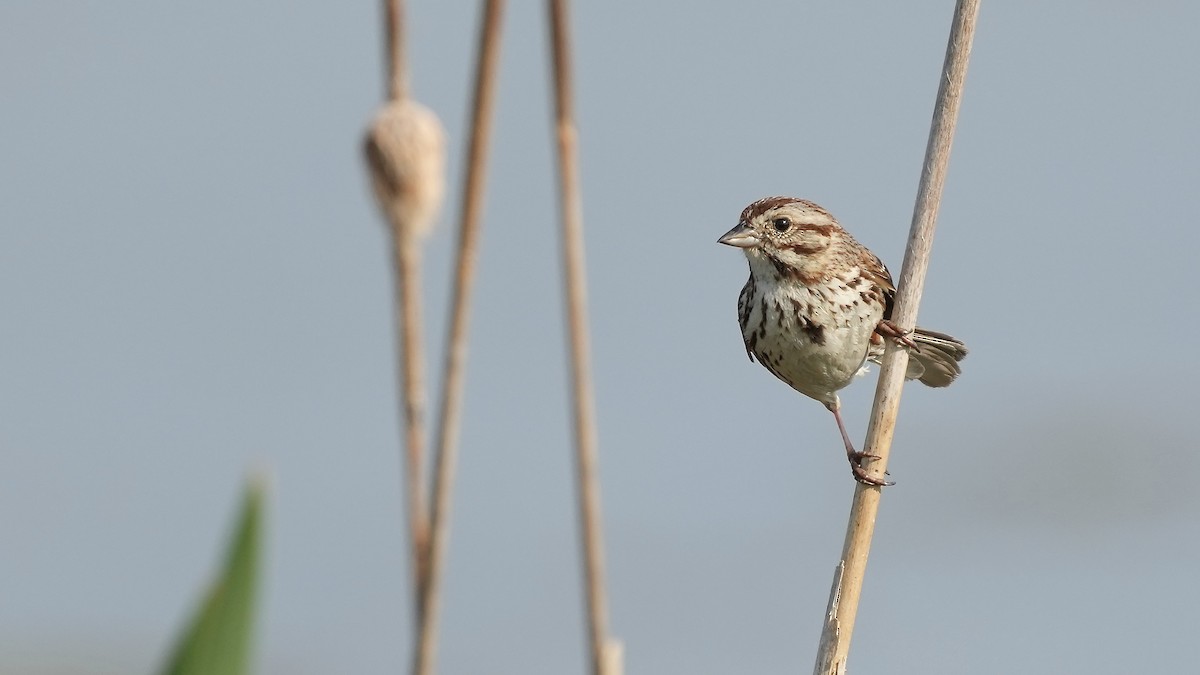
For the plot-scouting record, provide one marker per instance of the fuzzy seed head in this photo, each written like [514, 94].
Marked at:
[406, 154]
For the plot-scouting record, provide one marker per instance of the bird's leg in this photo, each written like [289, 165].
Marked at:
[855, 457]
[888, 329]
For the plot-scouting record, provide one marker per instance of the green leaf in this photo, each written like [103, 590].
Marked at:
[219, 636]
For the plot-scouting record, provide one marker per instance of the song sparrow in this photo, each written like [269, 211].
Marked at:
[818, 306]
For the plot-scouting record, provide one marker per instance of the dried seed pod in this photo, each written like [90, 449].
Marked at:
[406, 153]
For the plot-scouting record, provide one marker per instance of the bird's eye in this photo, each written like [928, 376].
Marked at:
[781, 224]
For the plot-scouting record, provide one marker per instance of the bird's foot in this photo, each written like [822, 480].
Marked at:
[901, 337]
[860, 474]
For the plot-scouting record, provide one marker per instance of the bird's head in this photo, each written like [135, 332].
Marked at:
[786, 229]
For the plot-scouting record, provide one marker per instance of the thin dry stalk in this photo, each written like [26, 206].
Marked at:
[397, 83]
[605, 653]
[405, 152]
[450, 411]
[848, 577]
[407, 261]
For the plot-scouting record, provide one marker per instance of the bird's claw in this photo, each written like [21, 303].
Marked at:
[900, 336]
[860, 473]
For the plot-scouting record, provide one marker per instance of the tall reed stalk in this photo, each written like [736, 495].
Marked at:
[842, 610]
[605, 652]
[454, 371]
[405, 150]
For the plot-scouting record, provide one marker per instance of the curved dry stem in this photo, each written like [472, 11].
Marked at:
[843, 601]
[405, 154]
[456, 340]
[604, 653]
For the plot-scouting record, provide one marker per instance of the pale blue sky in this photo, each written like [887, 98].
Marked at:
[194, 284]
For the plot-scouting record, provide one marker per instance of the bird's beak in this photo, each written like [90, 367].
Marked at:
[740, 236]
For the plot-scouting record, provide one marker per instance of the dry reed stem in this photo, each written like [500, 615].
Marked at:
[407, 259]
[604, 652]
[405, 152]
[397, 82]
[450, 409]
[848, 578]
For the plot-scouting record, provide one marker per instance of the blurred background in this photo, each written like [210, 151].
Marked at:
[195, 283]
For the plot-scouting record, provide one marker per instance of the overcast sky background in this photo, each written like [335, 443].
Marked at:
[194, 283]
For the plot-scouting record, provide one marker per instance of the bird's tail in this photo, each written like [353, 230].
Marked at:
[935, 362]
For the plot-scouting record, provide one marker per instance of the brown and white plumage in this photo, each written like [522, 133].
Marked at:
[818, 304]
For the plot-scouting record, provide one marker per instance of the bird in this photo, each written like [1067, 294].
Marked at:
[818, 306]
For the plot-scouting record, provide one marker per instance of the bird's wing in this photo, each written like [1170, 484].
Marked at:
[875, 271]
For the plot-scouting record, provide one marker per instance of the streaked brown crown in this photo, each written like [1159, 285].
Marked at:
[762, 206]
